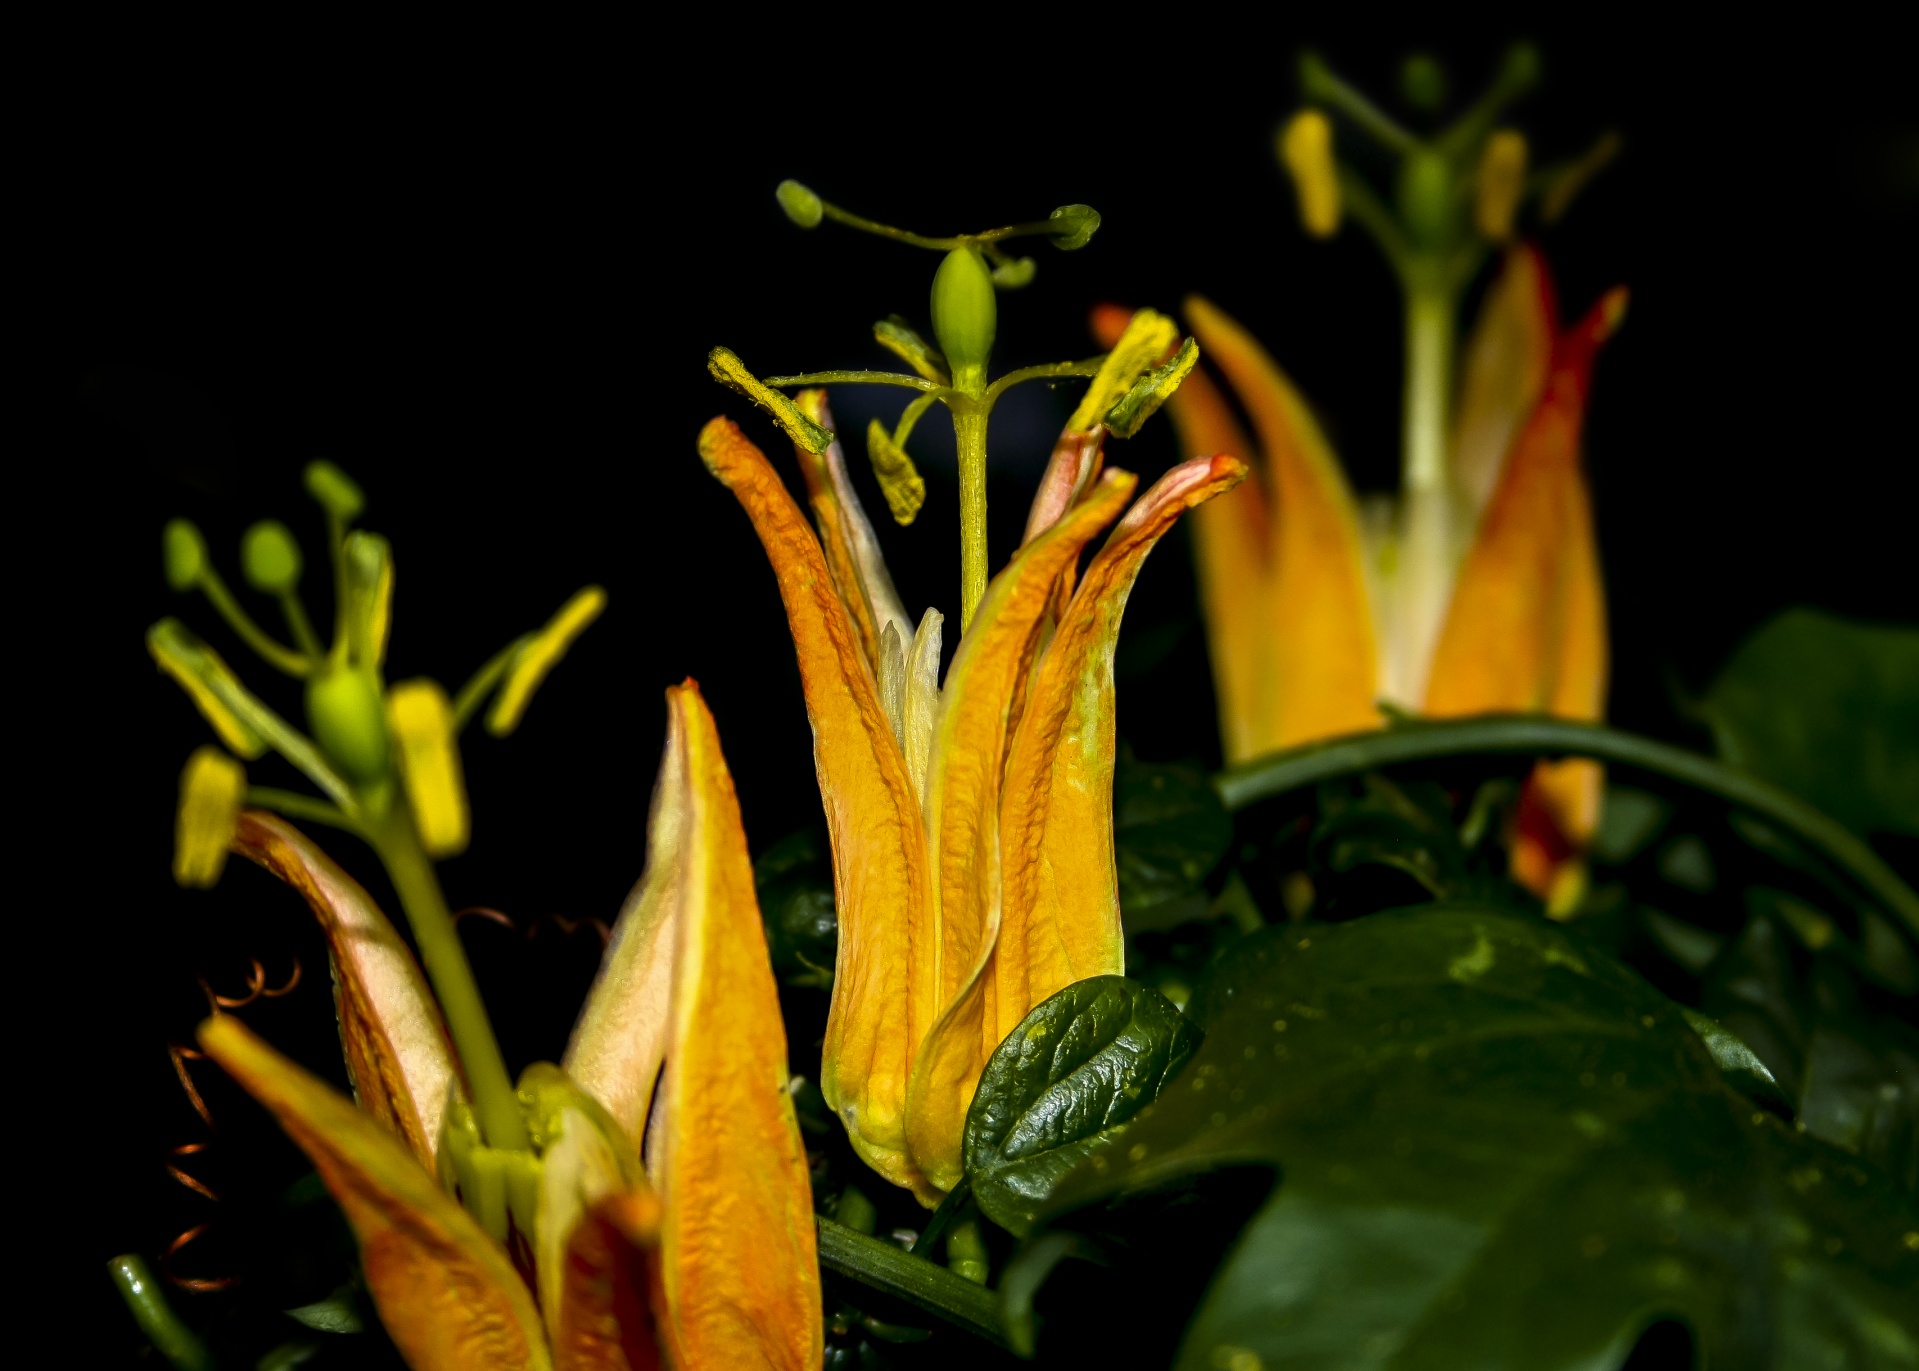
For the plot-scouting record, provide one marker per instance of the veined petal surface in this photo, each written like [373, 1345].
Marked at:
[612, 1276]
[963, 837]
[446, 1292]
[741, 1273]
[880, 877]
[1503, 372]
[1322, 676]
[396, 1048]
[1060, 918]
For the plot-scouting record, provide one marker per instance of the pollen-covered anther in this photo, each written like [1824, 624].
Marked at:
[1499, 184]
[1306, 150]
[212, 787]
[420, 718]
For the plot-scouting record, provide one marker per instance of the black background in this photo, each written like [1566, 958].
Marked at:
[481, 272]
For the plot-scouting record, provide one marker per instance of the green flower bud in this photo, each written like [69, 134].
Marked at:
[335, 490]
[1422, 83]
[269, 557]
[184, 552]
[348, 719]
[1521, 69]
[965, 316]
[1426, 199]
[1073, 226]
[802, 206]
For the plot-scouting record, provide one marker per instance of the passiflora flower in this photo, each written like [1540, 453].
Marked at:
[1478, 588]
[579, 1256]
[971, 822]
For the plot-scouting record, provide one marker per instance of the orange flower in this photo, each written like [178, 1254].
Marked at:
[1314, 612]
[971, 823]
[705, 1255]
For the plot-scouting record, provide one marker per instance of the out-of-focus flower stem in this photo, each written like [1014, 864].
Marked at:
[495, 1106]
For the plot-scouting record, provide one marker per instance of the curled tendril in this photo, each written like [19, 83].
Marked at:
[256, 988]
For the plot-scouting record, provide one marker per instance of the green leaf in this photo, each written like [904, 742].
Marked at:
[1498, 1149]
[1063, 1085]
[1169, 832]
[1372, 825]
[1830, 711]
[794, 881]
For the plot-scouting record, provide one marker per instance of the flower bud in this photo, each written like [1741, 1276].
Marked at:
[965, 316]
[1422, 83]
[335, 491]
[348, 720]
[184, 552]
[802, 206]
[1306, 149]
[1073, 226]
[270, 558]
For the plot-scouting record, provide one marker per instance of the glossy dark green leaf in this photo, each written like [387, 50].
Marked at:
[1498, 1149]
[1169, 832]
[1062, 1086]
[1739, 1064]
[1862, 1092]
[794, 881]
[1829, 710]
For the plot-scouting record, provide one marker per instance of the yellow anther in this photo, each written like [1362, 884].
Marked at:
[541, 654]
[420, 719]
[211, 789]
[1306, 149]
[729, 370]
[1149, 336]
[1499, 184]
[193, 664]
[899, 479]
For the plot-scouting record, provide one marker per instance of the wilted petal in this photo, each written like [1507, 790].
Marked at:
[969, 758]
[446, 1292]
[872, 813]
[1060, 906]
[390, 1029]
[737, 1241]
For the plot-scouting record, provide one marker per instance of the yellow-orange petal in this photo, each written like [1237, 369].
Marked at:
[612, 1268]
[1059, 919]
[1502, 375]
[880, 879]
[963, 801]
[395, 1043]
[446, 1292]
[619, 1040]
[1316, 620]
[846, 537]
[741, 1276]
[1526, 629]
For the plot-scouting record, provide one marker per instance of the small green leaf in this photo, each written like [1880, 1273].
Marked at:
[1497, 1148]
[1743, 1070]
[794, 880]
[1169, 832]
[1829, 710]
[1629, 819]
[1063, 1085]
[337, 1313]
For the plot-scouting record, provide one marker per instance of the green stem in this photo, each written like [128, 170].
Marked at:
[1429, 375]
[300, 626]
[495, 1106]
[274, 654]
[170, 1337]
[1422, 586]
[881, 1266]
[942, 1218]
[473, 694]
[297, 806]
[969, 435]
[1044, 372]
[1536, 735]
[852, 378]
